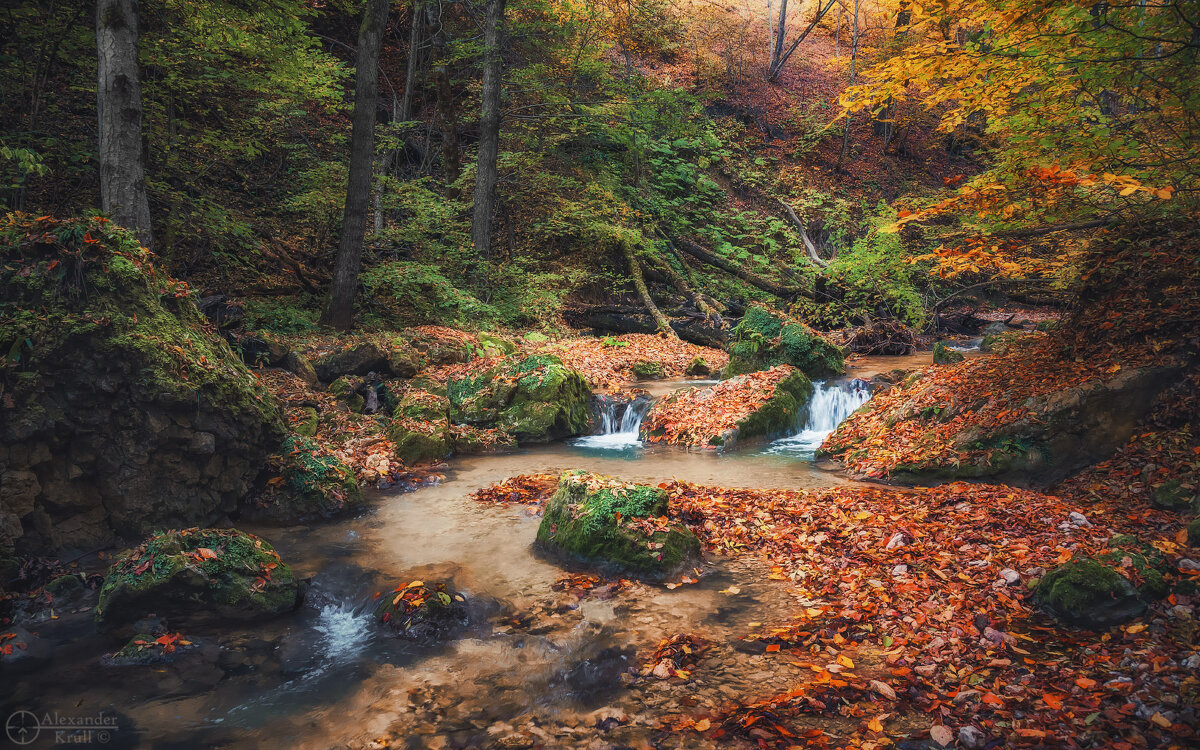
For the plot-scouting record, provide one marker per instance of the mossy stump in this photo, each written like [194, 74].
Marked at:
[607, 523]
[198, 575]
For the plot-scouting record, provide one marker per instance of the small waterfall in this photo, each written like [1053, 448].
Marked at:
[620, 423]
[831, 404]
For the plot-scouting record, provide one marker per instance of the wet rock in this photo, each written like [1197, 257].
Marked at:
[125, 378]
[763, 339]
[199, 576]
[535, 399]
[425, 612]
[615, 525]
[360, 360]
[306, 482]
[944, 355]
[1088, 594]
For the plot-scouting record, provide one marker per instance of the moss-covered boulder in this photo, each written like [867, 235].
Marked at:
[615, 525]
[535, 399]
[1087, 593]
[495, 345]
[649, 370]
[471, 440]
[1142, 563]
[420, 427]
[740, 410]
[437, 345]
[763, 339]
[698, 368]
[123, 412]
[1176, 495]
[306, 482]
[362, 359]
[197, 576]
[422, 611]
[1193, 532]
[944, 355]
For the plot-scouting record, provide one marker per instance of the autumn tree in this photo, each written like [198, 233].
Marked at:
[780, 56]
[340, 313]
[119, 106]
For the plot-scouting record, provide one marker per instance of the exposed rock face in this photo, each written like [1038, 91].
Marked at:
[197, 576]
[120, 411]
[762, 340]
[535, 399]
[611, 524]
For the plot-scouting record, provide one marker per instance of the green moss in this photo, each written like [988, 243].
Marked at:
[698, 367]
[1193, 532]
[649, 370]
[1089, 594]
[314, 482]
[1175, 496]
[422, 405]
[64, 585]
[762, 340]
[198, 572]
[494, 344]
[420, 442]
[306, 424]
[782, 412]
[944, 355]
[534, 398]
[595, 520]
[1147, 564]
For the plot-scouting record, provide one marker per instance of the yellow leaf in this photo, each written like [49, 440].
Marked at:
[845, 661]
[702, 725]
[875, 725]
[1139, 627]
[1129, 191]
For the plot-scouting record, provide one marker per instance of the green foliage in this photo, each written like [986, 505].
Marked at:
[408, 293]
[763, 339]
[280, 315]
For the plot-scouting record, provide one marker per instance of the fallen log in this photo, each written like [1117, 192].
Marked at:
[661, 324]
[751, 278]
[620, 319]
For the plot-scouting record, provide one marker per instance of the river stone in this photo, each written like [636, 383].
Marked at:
[649, 370]
[1089, 594]
[535, 399]
[944, 355]
[197, 576]
[594, 520]
[359, 360]
[423, 611]
[123, 378]
[763, 339]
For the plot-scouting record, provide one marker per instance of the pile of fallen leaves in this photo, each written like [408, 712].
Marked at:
[587, 586]
[675, 656]
[525, 488]
[696, 416]
[408, 599]
[915, 426]
[607, 363]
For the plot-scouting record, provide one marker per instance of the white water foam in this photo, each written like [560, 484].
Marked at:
[617, 433]
[831, 404]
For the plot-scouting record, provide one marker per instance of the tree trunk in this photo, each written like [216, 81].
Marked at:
[841, 163]
[776, 66]
[410, 73]
[119, 105]
[635, 270]
[489, 136]
[451, 156]
[340, 313]
[780, 32]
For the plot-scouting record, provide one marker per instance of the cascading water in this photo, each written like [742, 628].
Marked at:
[620, 423]
[831, 404]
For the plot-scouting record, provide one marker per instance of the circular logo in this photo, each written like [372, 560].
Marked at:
[22, 727]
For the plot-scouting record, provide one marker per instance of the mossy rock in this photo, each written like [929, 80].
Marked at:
[1089, 594]
[1193, 532]
[422, 611]
[107, 360]
[305, 422]
[762, 340]
[418, 441]
[536, 398]
[301, 367]
[362, 359]
[593, 520]
[434, 347]
[470, 440]
[944, 355]
[198, 575]
[310, 482]
[403, 360]
[345, 389]
[495, 345]
[698, 368]
[649, 370]
[1175, 496]
[787, 408]
[64, 586]
[1147, 565]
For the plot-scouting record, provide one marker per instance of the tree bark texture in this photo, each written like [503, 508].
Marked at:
[639, 282]
[486, 174]
[340, 313]
[119, 107]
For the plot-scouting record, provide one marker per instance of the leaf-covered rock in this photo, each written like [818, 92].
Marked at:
[649, 371]
[358, 360]
[122, 410]
[422, 611]
[197, 575]
[763, 339]
[309, 482]
[611, 524]
[757, 405]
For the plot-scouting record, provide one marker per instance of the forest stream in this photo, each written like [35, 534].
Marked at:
[329, 674]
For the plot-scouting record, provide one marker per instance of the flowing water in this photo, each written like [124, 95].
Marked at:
[532, 661]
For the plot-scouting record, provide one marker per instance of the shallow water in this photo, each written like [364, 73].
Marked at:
[327, 675]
